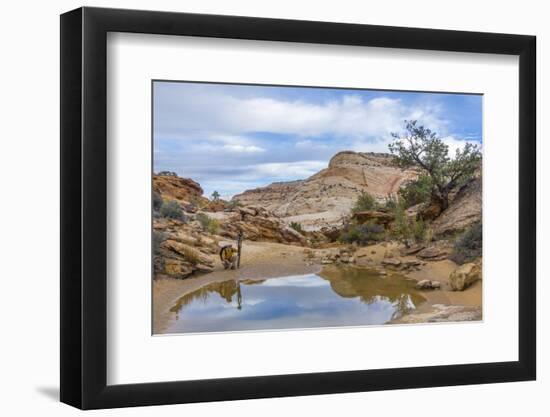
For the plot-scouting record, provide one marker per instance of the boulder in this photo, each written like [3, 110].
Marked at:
[412, 250]
[189, 253]
[410, 263]
[176, 268]
[259, 224]
[331, 233]
[243, 211]
[391, 262]
[377, 217]
[464, 276]
[432, 253]
[203, 268]
[426, 284]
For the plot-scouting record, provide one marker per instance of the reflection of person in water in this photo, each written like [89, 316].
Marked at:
[228, 256]
[239, 296]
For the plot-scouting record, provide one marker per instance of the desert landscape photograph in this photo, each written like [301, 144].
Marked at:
[280, 207]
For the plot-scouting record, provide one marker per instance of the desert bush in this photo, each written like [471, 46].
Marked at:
[195, 203]
[407, 228]
[213, 226]
[391, 203]
[419, 229]
[296, 226]
[362, 234]
[364, 202]
[172, 210]
[168, 173]
[416, 192]
[208, 225]
[468, 246]
[158, 238]
[233, 204]
[401, 228]
[157, 201]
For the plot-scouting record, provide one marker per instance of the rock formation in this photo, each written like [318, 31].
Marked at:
[378, 217]
[463, 211]
[326, 198]
[258, 224]
[464, 276]
[183, 190]
[181, 249]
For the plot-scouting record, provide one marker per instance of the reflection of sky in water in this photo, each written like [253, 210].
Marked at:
[294, 302]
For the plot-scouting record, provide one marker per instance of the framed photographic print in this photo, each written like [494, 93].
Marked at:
[259, 207]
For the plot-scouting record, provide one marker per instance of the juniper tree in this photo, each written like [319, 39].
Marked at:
[423, 149]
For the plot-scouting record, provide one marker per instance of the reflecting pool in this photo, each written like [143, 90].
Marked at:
[339, 296]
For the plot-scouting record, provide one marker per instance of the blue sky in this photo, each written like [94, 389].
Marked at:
[231, 138]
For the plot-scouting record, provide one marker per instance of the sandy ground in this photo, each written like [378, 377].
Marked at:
[469, 300]
[440, 271]
[259, 260]
[268, 260]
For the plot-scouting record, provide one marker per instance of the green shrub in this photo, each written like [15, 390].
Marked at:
[158, 238]
[157, 201]
[364, 202]
[233, 204]
[208, 225]
[419, 229]
[362, 234]
[350, 234]
[401, 228]
[203, 219]
[172, 210]
[391, 203]
[213, 226]
[468, 246]
[297, 226]
[416, 192]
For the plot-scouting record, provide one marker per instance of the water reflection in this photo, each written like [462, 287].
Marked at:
[337, 297]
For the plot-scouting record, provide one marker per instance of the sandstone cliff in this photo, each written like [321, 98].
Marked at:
[327, 197]
[463, 211]
[183, 190]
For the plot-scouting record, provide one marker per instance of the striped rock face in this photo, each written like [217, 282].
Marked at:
[326, 198]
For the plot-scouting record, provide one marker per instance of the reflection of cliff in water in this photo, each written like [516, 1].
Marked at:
[339, 297]
[367, 286]
[230, 291]
[371, 287]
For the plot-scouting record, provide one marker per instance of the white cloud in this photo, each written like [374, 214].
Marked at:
[298, 169]
[243, 148]
[230, 141]
[223, 117]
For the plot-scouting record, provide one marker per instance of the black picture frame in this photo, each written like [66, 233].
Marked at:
[84, 207]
